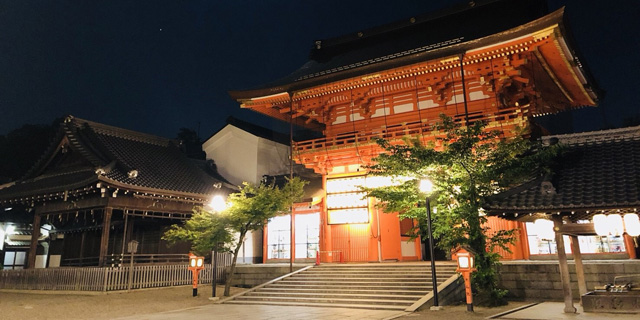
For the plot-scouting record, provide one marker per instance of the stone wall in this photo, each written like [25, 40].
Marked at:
[541, 279]
[251, 275]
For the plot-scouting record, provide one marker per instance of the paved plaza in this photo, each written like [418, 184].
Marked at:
[264, 312]
[541, 311]
[554, 311]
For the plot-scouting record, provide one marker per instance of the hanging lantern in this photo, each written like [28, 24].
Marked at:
[544, 229]
[632, 224]
[601, 225]
[616, 227]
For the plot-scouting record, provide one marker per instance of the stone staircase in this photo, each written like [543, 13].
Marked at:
[392, 286]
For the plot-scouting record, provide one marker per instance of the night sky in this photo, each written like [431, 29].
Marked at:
[157, 66]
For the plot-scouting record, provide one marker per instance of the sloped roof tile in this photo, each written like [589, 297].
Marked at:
[113, 153]
[597, 171]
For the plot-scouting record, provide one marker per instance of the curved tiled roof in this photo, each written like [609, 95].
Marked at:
[596, 171]
[425, 36]
[125, 159]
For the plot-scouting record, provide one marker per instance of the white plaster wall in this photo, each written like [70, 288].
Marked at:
[240, 156]
[235, 153]
[273, 158]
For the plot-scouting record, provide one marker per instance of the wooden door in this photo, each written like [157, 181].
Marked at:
[352, 240]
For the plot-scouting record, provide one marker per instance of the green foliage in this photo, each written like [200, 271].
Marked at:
[472, 163]
[251, 207]
[205, 231]
[247, 210]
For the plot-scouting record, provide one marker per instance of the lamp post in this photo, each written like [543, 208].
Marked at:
[426, 186]
[217, 204]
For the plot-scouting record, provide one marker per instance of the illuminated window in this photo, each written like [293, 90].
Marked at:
[345, 202]
[344, 216]
[541, 242]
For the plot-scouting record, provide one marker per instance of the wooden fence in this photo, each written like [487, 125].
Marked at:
[109, 278]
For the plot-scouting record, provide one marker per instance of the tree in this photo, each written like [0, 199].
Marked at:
[247, 210]
[22, 147]
[472, 164]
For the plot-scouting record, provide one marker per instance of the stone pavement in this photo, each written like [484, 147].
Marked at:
[264, 312]
[554, 311]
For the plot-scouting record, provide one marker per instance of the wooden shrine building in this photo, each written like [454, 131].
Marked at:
[97, 188]
[500, 61]
[597, 173]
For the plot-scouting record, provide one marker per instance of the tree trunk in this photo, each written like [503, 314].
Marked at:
[227, 285]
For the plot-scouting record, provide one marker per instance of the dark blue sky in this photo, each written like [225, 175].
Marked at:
[156, 66]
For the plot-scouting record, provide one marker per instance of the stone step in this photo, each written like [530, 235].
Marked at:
[367, 282]
[426, 287]
[356, 281]
[329, 300]
[297, 289]
[384, 287]
[383, 275]
[332, 295]
[360, 278]
[313, 304]
[378, 273]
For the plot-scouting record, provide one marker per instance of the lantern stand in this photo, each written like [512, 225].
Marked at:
[132, 248]
[195, 265]
[466, 265]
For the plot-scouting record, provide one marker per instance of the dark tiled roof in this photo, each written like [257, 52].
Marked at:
[259, 131]
[463, 23]
[110, 154]
[596, 171]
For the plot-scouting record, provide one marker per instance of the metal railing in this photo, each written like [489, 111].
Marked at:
[109, 278]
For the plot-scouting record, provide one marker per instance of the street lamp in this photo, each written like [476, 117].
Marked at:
[218, 204]
[426, 186]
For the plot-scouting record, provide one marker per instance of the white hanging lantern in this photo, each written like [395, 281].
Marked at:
[544, 229]
[616, 227]
[601, 225]
[632, 224]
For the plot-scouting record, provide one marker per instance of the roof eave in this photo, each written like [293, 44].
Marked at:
[554, 18]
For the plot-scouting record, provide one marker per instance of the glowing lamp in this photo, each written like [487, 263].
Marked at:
[196, 262]
[632, 224]
[426, 186]
[615, 225]
[600, 225]
[465, 260]
[544, 229]
[466, 266]
[217, 203]
[195, 265]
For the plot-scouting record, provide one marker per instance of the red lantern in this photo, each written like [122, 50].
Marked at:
[195, 265]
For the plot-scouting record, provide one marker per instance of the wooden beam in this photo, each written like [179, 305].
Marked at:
[564, 267]
[104, 240]
[578, 229]
[33, 247]
[577, 258]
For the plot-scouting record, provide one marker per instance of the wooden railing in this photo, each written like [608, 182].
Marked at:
[115, 260]
[398, 131]
[109, 278]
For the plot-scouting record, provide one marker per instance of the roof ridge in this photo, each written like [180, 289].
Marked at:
[402, 23]
[596, 136]
[114, 131]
